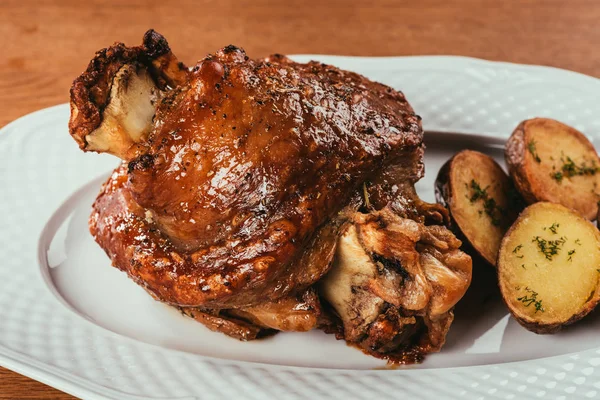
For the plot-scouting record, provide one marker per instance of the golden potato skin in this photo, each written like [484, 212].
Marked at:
[515, 153]
[532, 171]
[526, 321]
[546, 329]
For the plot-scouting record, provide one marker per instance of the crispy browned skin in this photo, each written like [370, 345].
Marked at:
[239, 178]
[247, 165]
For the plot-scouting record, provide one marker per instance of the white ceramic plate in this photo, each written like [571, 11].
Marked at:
[70, 320]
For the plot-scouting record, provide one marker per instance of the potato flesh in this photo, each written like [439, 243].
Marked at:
[551, 142]
[478, 227]
[563, 283]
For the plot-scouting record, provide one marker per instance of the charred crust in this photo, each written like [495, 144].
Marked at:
[141, 163]
[277, 57]
[231, 49]
[232, 54]
[155, 44]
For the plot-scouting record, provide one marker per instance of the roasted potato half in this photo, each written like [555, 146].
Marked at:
[549, 267]
[480, 199]
[550, 161]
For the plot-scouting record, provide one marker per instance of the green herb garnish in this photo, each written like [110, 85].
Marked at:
[517, 249]
[531, 299]
[553, 228]
[533, 151]
[549, 248]
[570, 169]
[558, 176]
[490, 206]
[570, 253]
[478, 192]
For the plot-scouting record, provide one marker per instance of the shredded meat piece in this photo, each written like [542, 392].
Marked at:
[394, 283]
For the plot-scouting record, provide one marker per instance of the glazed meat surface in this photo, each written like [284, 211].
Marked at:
[240, 179]
[245, 164]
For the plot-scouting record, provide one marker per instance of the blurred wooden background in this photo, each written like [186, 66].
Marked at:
[44, 45]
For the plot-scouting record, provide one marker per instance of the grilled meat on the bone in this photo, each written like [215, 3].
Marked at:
[238, 175]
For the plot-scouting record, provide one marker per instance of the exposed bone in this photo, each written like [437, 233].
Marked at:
[345, 286]
[127, 119]
[114, 100]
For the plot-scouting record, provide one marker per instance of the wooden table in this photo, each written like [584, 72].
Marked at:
[44, 45]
